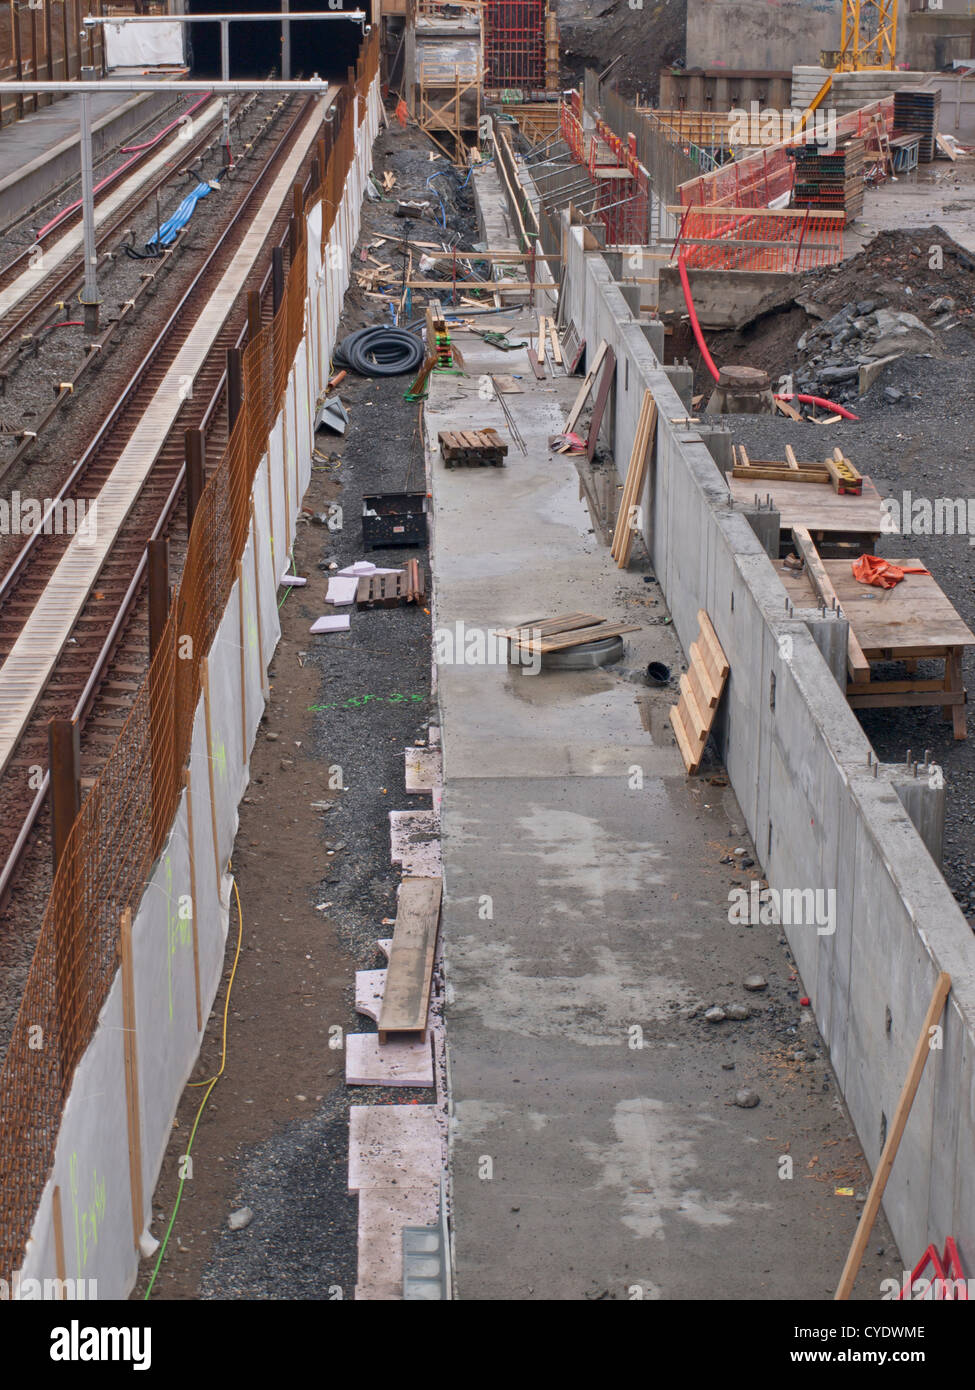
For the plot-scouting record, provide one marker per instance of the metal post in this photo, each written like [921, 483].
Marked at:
[90, 300]
[225, 76]
[285, 45]
[158, 555]
[64, 759]
[253, 314]
[235, 387]
[193, 446]
[277, 277]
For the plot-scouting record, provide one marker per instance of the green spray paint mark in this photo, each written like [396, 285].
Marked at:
[359, 701]
[87, 1216]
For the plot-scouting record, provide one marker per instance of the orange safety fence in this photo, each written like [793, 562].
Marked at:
[760, 178]
[620, 182]
[759, 239]
[126, 816]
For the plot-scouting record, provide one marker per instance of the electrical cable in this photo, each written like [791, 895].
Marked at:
[109, 179]
[380, 351]
[206, 1095]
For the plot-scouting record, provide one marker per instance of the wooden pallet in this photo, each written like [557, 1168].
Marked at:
[836, 470]
[389, 590]
[700, 693]
[406, 997]
[467, 448]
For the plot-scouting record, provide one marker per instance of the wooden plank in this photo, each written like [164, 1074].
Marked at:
[922, 1050]
[540, 350]
[857, 663]
[790, 457]
[547, 626]
[587, 385]
[560, 641]
[709, 679]
[787, 409]
[769, 473]
[819, 508]
[692, 759]
[599, 405]
[698, 719]
[715, 650]
[406, 998]
[556, 345]
[635, 479]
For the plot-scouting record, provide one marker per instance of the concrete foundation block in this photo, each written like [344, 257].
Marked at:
[718, 440]
[654, 334]
[766, 524]
[682, 380]
[632, 294]
[831, 635]
[921, 789]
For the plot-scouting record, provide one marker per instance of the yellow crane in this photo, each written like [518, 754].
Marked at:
[868, 40]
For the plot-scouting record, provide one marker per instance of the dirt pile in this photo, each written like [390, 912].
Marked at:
[909, 294]
[594, 32]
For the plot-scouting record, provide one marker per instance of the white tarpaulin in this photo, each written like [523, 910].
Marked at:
[144, 45]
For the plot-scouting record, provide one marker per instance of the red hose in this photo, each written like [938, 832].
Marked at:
[125, 149]
[820, 401]
[698, 335]
[69, 323]
[148, 144]
[709, 361]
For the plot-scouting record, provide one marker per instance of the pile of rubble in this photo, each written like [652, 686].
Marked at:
[898, 297]
[842, 356]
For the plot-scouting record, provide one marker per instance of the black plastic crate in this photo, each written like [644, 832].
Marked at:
[394, 518]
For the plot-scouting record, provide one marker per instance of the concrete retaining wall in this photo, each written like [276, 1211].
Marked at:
[36, 180]
[757, 34]
[798, 761]
[91, 1168]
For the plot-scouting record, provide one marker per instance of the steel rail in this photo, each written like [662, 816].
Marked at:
[127, 605]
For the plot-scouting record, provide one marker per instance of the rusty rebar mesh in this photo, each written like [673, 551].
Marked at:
[514, 43]
[127, 814]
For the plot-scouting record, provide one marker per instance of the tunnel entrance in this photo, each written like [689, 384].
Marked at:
[327, 49]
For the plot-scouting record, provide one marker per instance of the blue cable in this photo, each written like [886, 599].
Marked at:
[443, 211]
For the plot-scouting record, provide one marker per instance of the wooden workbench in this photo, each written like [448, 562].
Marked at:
[830, 518]
[912, 622]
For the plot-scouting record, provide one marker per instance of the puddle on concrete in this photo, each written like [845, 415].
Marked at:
[549, 688]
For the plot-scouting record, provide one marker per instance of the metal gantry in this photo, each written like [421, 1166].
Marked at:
[282, 17]
[85, 89]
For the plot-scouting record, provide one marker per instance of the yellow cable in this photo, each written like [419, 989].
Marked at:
[208, 1084]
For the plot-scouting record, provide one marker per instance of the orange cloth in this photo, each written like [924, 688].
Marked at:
[402, 112]
[871, 569]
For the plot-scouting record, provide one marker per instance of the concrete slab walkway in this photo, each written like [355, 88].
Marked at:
[596, 1149]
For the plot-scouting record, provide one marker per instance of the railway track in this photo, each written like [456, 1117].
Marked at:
[100, 668]
[59, 286]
